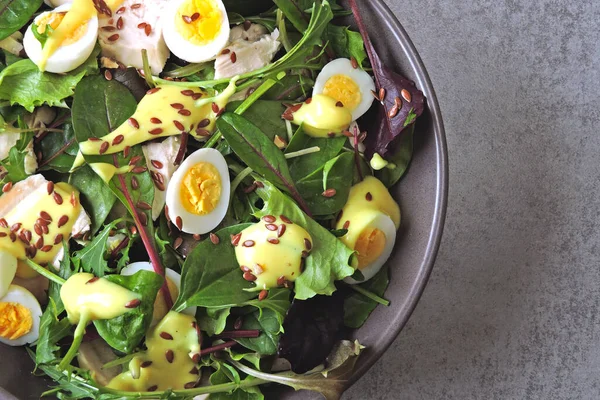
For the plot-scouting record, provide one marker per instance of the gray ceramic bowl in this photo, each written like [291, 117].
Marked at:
[422, 195]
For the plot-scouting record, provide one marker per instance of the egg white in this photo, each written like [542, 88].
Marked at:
[22, 296]
[193, 223]
[8, 268]
[343, 66]
[68, 57]
[385, 224]
[188, 51]
[171, 275]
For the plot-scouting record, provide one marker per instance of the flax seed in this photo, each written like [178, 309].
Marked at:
[406, 95]
[166, 336]
[263, 295]
[235, 239]
[50, 187]
[179, 223]
[281, 230]
[273, 241]
[249, 276]
[58, 238]
[155, 120]
[133, 122]
[153, 90]
[214, 238]
[185, 113]
[248, 243]
[155, 131]
[145, 364]
[120, 23]
[156, 164]
[118, 140]
[133, 303]
[233, 57]
[195, 16]
[329, 193]
[114, 38]
[6, 188]
[170, 356]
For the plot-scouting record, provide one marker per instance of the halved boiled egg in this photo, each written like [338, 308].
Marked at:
[198, 194]
[196, 30]
[371, 217]
[73, 47]
[173, 283]
[20, 315]
[8, 268]
[351, 86]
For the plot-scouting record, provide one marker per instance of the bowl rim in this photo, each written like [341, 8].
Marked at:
[423, 81]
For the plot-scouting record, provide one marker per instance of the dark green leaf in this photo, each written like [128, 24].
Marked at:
[294, 10]
[307, 164]
[14, 14]
[401, 157]
[329, 257]
[125, 332]
[96, 199]
[211, 275]
[212, 321]
[335, 174]
[267, 115]
[269, 325]
[52, 329]
[15, 162]
[346, 43]
[92, 258]
[42, 37]
[290, 88]
[59, 149]
[23, 83]
[278, 300]
[358, 307]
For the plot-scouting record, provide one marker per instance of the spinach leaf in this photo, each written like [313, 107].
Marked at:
[91, 258]
[266, 114]
[357, 307]
[213, 321]
[346, 43]
[59, 150]
[290, 88]
[311, 328]
[95, 198]
[329, 257]
[269, 325]
[277, 301]
[309, 163]
[403, 102]
[15, 162]
[257, 151]
[23, 83]
[402, 152]
[132, 80]
[211, 275]
[336, 174]
[125, 332]
[14, 14]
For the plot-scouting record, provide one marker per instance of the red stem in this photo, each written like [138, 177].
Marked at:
[251, 333]
[148, 242]
[218, 347]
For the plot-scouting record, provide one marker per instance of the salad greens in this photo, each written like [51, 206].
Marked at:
[281, 178]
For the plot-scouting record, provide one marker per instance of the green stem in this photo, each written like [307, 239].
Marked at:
[188, 70]
[77, 338]
[287, 45]
[239, 178]
[44, 272]
[147, 70]
[370, 295]
[303, 152]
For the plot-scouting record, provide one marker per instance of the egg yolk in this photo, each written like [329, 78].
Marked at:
[53, 20]
[201, 189]
[15, 320]
[199, 21]
[343, 88]
[369, 246]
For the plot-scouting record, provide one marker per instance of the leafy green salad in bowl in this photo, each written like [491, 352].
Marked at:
[195, 195]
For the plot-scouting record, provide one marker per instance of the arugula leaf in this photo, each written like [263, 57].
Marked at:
[14, 14]
[402, 152]
[95, 198]
[336, 174]
[211, 275]
[309, 163]
[269, 326]
[294, 11]
[330, 382]
[346, 43]
[357, 307]
[92, 257]
[125, 332]
[257, 151]
[52, 329]
[15, 162]
[23, 83]
[329, 257]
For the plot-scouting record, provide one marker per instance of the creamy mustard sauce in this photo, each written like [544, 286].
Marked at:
[89, 298]
[167, 363]
[366, 201]
[166, 110]
[81, 11]
[107, 171]
[322, 116]
[36, 228]
[273, 250]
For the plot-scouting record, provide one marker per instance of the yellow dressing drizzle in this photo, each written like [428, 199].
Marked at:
[166, 110]
[89, 298]
[321, 117]
[36, 228]
[170, 362]
[273, 254]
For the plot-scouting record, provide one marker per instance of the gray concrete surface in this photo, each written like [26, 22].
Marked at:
[512, 308]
